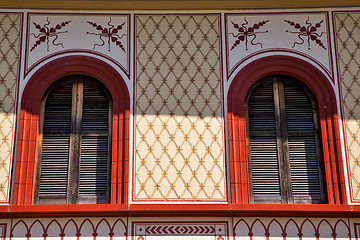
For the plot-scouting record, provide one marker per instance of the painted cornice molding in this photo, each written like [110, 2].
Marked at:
[172, 4]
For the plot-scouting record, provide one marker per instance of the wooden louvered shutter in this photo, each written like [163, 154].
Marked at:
[303, 144]
[284, 147]
[75, 151]
[264, 166]
[94, 145]
[53, 179]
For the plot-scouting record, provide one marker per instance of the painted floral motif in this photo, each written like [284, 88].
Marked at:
[245, 32]
[310, 32]
[47, 32]
[111, 33]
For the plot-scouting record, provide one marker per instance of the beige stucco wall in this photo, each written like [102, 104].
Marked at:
[348, 45]
[179, 133]
[10, 39]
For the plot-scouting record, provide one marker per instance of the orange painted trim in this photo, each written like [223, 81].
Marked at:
[339, 162]
[29, 122]
[183, 210]
[333, 161]
[326, 102]
[327, 165]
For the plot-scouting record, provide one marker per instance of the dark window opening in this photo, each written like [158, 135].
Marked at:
[74, 143]
[285, 163]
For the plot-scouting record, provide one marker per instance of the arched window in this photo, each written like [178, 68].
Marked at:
[74, 160]
[290, 121]
[285, 163]
[97, 120]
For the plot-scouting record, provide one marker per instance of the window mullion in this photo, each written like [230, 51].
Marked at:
[73, 184]
[282, 141]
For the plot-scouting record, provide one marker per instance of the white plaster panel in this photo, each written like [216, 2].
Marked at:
[305, 34]
[102, 34]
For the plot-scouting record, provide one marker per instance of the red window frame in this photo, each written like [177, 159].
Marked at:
[37, 85]
[327, 114]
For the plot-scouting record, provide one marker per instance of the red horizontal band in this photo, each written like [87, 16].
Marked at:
[185, 210]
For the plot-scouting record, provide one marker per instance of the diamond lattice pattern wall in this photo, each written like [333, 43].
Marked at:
[348, 44]
[179, 132]
[9, 52]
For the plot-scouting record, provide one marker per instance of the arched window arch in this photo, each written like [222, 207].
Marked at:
[285, 162]
[329, 138]
[73, 165]
[29, 127]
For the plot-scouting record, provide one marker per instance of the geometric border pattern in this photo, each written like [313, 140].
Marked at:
[191, 230]
[241, 228]
[48, 228]
[293, 228]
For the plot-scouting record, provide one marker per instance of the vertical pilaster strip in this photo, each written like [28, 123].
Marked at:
[10, 27]
[347, 30]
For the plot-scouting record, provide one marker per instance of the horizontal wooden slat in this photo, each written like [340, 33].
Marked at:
[58, 109]
[54, 166]
[93, 166]
[76, 172]
[299, 112]
[304, 160]
[304, 166]
[261, 110]
[265, 167]
[263, 147]
[95, 108]
[297, 144]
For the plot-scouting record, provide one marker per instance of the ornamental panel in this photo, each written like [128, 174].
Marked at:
[348, 45]
[104, 35]
[304, 34]
[69, 228]
[10, 27]
[180, 230]
[291, 228]
[179, 131]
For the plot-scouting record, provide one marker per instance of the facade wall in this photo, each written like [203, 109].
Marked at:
[178, 68]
